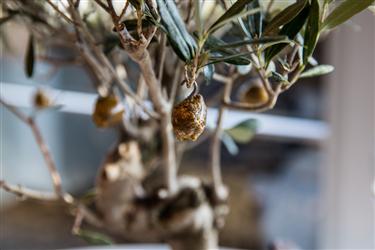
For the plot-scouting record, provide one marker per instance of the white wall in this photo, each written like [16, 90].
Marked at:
[348, 215]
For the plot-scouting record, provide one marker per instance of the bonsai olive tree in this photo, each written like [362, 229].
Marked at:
[148, 60]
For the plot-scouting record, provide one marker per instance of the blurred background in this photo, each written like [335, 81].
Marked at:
[306, 180]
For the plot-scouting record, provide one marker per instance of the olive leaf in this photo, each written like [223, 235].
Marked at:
[229, 143]
[208, 72]
[237, 59]
[215, 27]
[344, 12]
[30, 57]
[236, 8]
[179, 38]
[278, 77]
[317, 71]
[228, 55]
[94, 237]
[291, 30]
[312, 31]
[263, 40]
[244, 131]
[285, 16]
[255, 22]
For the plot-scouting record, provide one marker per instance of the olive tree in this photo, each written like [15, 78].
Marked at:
[148, 60]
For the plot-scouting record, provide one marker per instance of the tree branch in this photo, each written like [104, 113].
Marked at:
[56, 179]
[65, 17]
[23, 192]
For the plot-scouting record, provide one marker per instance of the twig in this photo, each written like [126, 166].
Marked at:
[162, 53]
[216, 143]
[124, 10]
[56, 179]
[66, 18]
[101, 4]
[23, 192]
[84, 214]
[15, 111]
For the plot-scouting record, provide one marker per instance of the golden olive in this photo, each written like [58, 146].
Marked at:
[41, 99]
[107, 111]
[255, 95]
[189, 118]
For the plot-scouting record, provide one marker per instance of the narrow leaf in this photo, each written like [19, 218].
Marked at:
[290, 29]
[215, 27]
[208, 72]
[237, 59]
[285, 16]
[236, 8]
[229, 143]
[94, 237]
[180, 40]
[30, 57]
[317, 71]
[344, 12]
[244, 131]
[278, 77]
[214, 44]
[312, 31]
[263, 40]
[255, 22]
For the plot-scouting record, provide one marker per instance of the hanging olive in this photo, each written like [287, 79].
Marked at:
[107, 111]
[255, 95]
[189, 118]
[41, 99]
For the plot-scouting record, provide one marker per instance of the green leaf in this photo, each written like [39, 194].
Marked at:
[236, 8]
[228, 55]
[208, 72]
[290, 29]
[244, 131]
[181, 41]
[312, 31]
[237, 59]
[262, 40]
[94, 237]
[30, 57]
[285, 16]
[215, 27]
[317, 71]
[255, 22]
[278, 77]
[229, 143]
[344, 12]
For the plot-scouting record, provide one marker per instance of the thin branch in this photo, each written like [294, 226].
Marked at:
[124, 10]
[216, 142]
[15, 111]
[162, 53]
[66, 18]
[23, 192]
[102, 5]
[56, 179]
